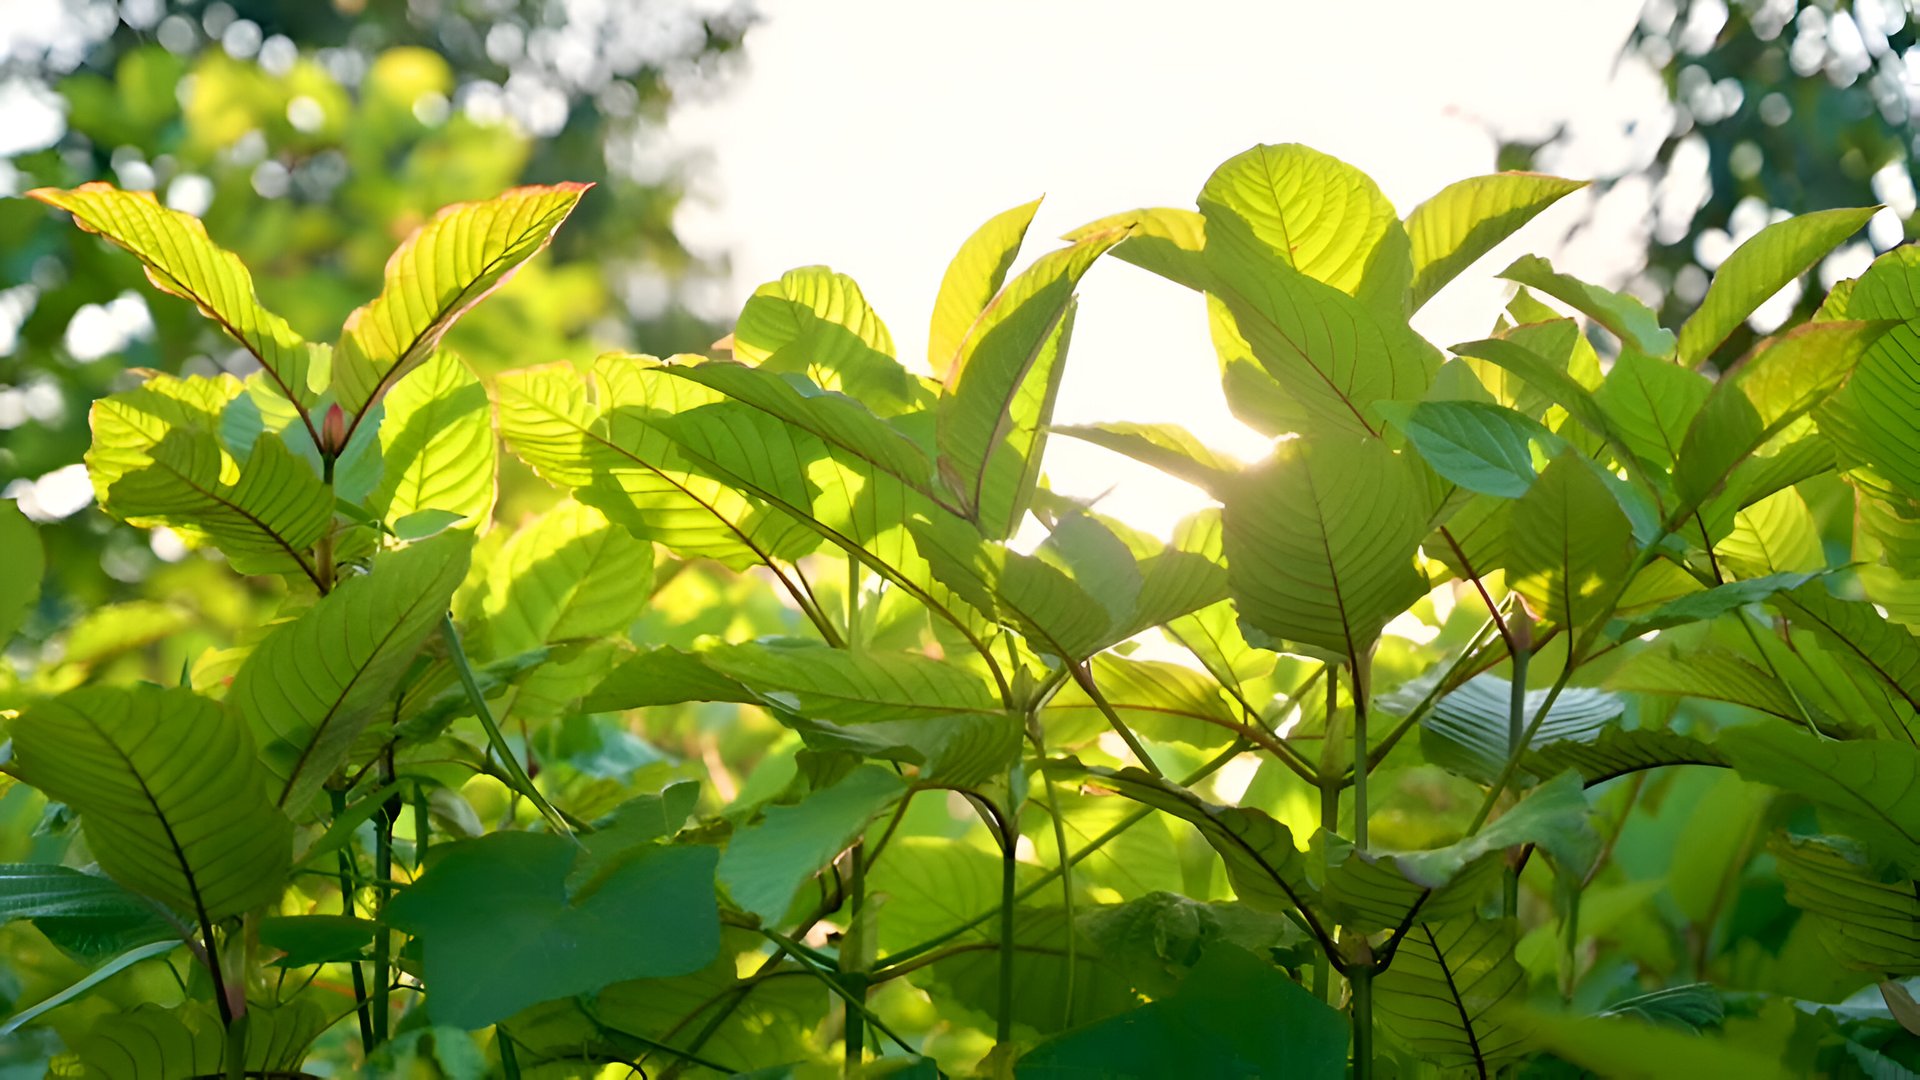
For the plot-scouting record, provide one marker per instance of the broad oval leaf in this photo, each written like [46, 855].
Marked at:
[1320, 542]
[1468, 218]
[437, 448]
[1568, 543]
[446, 267]
[1867, 922]
[180, 259]
[309, 688]
[1445, 993]
[20, 573]
[817, 323]
[82, 913]
[972, 279]
[1759, 268]
[766, 863]
[1482, 447]
[172, 799]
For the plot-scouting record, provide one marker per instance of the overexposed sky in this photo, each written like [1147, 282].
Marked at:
[874, 135]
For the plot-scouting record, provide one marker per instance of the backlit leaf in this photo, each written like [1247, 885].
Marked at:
[1759, 268]
[972, 279]
[1467, 219]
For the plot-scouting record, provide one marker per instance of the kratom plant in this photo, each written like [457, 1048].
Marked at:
[1444, 745]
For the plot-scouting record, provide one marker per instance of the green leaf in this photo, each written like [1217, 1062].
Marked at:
[168, 791]
[1568, 543]
[1694, 1006]
[1630, 1048]
[1871, 419]
[437, 446]
[1787, 377]
[1444, 994]
[766, 863]
[1469, 218]
[1869, 789]
[1479, 446]
[1314, 213]
[1650, 403]
[1868, 920]
[1627, 318]
[1466, 731]
[1046, 989]
[21, 572]
[436, 275]
[1759, 268]
[570, 577]
[156, 460]
[498, 934]
[1163, 241]
[601, 439]
[1161, 701]
[1515, 356]
[181, 260]
[994, 415]
[87, 982]
[309, 688]
[1708, 604]
[317, 939]
[1168, 447]
[152, 1043]
[1381, 890]
[1855, 630]
[1775, 536]
[1709, 672]
[1233, 1016]
[1268, 872]
[1320, 540]
[817, 324]
[83, 913]
[972, 279]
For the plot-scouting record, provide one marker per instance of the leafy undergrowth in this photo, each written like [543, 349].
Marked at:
[1540, 705]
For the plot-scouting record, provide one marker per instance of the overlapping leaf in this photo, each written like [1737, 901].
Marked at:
[1759, 268]
[1569, 544]
[169, 792]
[972, 279]
[436, 445]
[816, 323]
[1444, 994]
[450, 264]
[1467, 219]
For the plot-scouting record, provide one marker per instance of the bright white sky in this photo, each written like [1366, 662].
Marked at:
[873, 136]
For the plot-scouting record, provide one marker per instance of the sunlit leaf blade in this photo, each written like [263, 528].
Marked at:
[1569, 544]
[1320, 541]
[766, 863]
[1161, 701]
[149, 1042]
[1627, 318]
[1776, 536]
[1712, 673]
[310, 687]
[1467, 219]
[21, 571]
[1515, 355]
[1870, 788]
[499, 932]
[1162, 240]
[1384, 890]
[1871, 419]
[1650, 403]
[1168, 447]
[993, 418]
[1042, 598]
[1444, 993]
[569, 578]
[1466, 730]
[1479, 446]
[817, 323]
[1759, 268]
[168, 790]
[1786, 378]
[1315, 214]
[1609, 1046]
[1866, 921]
[181, 259]
[156, 460]
[1268, 872]
[436, 445]
[1707, 604]
[450, 264]
[1854, 629]
[83, 913]
[600, 438]
[973, 277]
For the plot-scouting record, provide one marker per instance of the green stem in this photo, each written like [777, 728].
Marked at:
[1009, 845]
[422, 827]
[852, 944]
[1084, 678]
[1512, 767]
[509, 1061]
[1516, 746]
[1329, 822]
[383, 820]
[1361, 978]
[236, 1055]
[1136, 817]
[1361, 690]
[521, 782]
[339, 799]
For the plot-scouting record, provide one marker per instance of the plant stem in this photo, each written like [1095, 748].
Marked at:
[1084, 678]
[1361, 978]
[383, 819]
[1329, 822]
[339, 799]
[1009, 844]
[1516, 746]
[1361, 690]
[236, 1049]
[520, 781]
[422, 827]
[852, 945]
[509, 1061]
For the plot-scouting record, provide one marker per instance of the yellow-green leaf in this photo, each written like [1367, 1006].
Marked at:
[1761, 267]
[436, 445]
[1468, 218]
[972, 279]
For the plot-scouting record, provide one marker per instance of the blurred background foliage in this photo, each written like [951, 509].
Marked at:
[313, 135]
[1779, 107]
